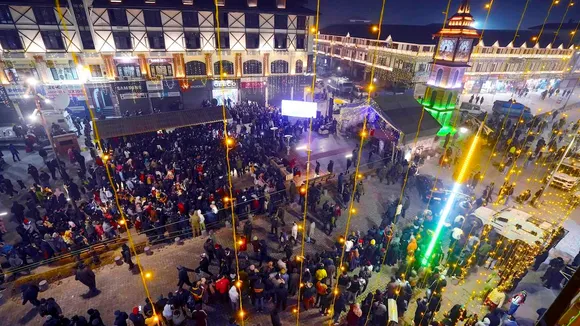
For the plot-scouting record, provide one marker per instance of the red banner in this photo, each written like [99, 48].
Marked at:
[253, 84]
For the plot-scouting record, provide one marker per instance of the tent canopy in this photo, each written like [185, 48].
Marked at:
[404, 112]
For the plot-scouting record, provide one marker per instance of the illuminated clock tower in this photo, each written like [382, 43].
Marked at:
[449, 64]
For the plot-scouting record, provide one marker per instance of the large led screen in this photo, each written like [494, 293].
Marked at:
[299, 109]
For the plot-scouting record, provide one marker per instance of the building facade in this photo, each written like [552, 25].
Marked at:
[498, 62]
[129, 53]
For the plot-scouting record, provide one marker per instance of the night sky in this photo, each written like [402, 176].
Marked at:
[505, 14]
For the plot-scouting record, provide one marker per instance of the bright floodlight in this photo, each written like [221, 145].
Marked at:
[463, 130]
[47, 101]
[32, 117]
[31, 81]
[299, 109]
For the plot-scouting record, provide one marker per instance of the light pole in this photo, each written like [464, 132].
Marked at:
[288, 144]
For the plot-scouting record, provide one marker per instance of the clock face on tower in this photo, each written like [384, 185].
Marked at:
[463, 50]
[446, 48]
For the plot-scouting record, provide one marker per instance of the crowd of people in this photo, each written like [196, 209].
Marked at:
[175, 184]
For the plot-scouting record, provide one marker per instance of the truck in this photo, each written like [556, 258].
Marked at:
[568, 175]
[342, 85]
[512, 109]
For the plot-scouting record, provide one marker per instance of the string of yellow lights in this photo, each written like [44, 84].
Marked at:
[143, 275]
[308, 155]
[570, 4]
[229, 143]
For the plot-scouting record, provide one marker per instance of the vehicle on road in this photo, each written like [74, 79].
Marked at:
[429, 187]
[470, 108]
[360, 91]
[567, 176]
[342, 85]
[515, 224]
[512, 109]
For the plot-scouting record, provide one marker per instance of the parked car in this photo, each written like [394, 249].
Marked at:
[429, 186]
[470, 108]
[512, 109]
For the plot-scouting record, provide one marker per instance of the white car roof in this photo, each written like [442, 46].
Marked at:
[519, 225]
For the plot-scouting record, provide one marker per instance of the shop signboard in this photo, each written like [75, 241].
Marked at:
[225, 83]
[131, 90]
[15, 92]
[252, 84]
[53, 91]
[163, 88]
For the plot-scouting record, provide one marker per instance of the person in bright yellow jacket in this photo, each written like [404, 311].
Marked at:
[320, 273]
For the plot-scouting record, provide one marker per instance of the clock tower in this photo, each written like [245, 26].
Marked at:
[449, 63]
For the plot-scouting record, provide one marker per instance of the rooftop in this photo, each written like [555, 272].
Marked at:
[423, 34]
[264, 6]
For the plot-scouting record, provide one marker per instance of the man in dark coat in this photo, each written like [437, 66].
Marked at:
[120, 318]
[86, 276]
[183, 276]
[127, 256]
[30, 293]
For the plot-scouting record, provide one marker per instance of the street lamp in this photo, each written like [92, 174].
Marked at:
[31, 81]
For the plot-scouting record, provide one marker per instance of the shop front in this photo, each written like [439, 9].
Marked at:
[127, 67]
[133, 98]
[7, 110]
[225, 91]
[194, 92]
[77, 106]
[501, 84]
[20, 71]
[253, 89]
[22, 98]
[101, 98]
[164, 95]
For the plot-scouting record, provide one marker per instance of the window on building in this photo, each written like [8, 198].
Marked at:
[192, 40]
[299, 67]
[281, 21]
[438, 77]
[96, 71]
[87, 40]
[252, 67]
[44, 15]
[190, 19]
[64, 73]
[10, 40]
[129, 70]
[252, 40]
[224, 40]
[223, 19]
[161, 69]
[300, 42]
[280, 41]
[5, 16]
[252, 20]
[301, 22]
[52, 40]
[156, 40]
[80, 14]
[225, 67]
[195, 68]
[122, 40]
[118, 17]
[152, 18]
[279, 67]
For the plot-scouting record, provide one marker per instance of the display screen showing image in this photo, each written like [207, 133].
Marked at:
[299, 109]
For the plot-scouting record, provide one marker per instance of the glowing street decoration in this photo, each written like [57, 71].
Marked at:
[451, 200]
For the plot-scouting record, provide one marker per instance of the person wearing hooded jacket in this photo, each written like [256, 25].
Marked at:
[86, 276]
[136, 317]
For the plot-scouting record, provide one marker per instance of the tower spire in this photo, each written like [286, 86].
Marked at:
[464, 7]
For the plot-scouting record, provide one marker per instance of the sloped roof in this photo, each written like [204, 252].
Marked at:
[119, 127]
[404, 112]
[423, 34]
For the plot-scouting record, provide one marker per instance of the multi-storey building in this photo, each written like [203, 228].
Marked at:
[134, 54]
[501, 60]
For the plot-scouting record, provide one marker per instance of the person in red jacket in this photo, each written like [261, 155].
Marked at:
[222, 286]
